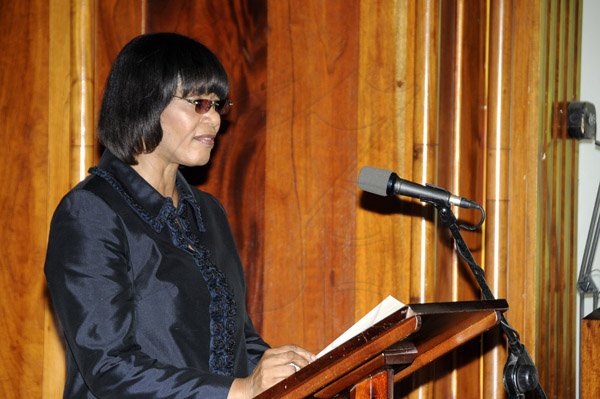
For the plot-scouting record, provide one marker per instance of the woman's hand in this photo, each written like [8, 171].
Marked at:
[275, 365]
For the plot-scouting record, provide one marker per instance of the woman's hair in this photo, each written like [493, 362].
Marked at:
[147, 73]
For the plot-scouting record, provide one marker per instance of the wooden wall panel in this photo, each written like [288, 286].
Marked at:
[461, 169]
[23, 121]
[81, 103]
[115, 23]
[496, 179]
[524, 176]
[310, 177]
[541, 263]
[558, 177]
[422, 124]
[59, 172]
[381, 140]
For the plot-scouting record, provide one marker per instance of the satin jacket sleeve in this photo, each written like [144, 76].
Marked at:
[93, 289]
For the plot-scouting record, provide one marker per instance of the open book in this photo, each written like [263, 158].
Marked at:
[385, 308]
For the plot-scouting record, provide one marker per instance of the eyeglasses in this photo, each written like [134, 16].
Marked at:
[203, 105]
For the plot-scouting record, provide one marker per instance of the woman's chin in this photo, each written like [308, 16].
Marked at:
[200, 161]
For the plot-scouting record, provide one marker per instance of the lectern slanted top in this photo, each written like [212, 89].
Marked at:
[400, 344]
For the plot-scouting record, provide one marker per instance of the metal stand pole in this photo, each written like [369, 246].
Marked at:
[520, 373]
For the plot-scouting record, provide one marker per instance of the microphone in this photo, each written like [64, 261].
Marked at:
[384, 182]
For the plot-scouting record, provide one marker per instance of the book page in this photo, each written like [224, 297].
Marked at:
[385, 308]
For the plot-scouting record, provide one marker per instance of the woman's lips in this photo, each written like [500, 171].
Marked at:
[206, 139]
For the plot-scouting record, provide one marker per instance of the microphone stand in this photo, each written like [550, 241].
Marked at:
[520, 374]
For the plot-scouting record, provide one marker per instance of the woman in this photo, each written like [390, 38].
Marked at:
[142, 269]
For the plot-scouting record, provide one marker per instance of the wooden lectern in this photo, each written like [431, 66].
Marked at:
[590, 353]
[367, 365]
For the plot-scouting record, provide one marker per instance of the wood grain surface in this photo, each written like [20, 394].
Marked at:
[23, 123]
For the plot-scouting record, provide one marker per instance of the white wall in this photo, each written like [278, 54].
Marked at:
[589, 153]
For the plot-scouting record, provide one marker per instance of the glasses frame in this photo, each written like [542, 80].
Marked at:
[203, 105]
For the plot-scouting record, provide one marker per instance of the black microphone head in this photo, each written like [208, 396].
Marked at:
[374, 180]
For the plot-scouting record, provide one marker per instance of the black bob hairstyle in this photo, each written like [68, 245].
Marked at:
[147, 73]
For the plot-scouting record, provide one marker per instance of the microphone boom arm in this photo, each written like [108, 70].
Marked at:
[520, 373]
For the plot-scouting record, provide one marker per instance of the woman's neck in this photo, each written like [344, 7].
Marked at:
[162, 177]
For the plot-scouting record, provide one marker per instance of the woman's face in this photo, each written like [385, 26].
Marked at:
[188, 137]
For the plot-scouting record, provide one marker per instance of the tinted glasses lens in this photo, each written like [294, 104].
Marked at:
[203, 106]
[221, 106]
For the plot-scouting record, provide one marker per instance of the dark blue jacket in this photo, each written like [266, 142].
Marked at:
[150, 298]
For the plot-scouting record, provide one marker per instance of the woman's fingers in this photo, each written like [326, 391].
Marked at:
[291, 354]
[277, 364]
